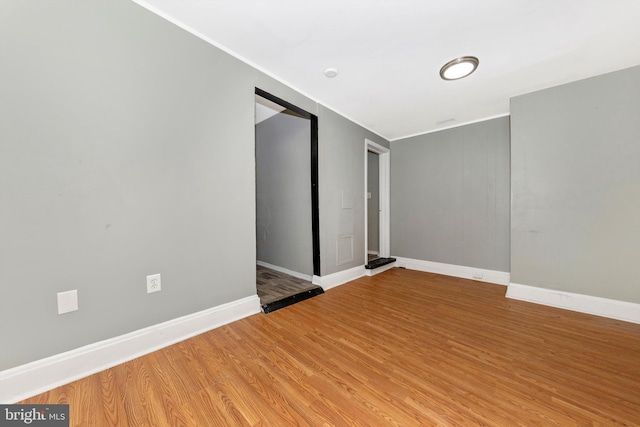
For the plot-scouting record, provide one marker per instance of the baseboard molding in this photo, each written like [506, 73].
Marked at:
[482, 275]
[33, 378]
[613, 309]
[379, 270]
[341, 277]
[373, 252]
[302, 276]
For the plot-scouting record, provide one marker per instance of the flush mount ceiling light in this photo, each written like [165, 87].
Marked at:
[331, 72]
[459, 68]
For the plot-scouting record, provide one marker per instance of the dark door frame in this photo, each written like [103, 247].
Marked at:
[315, 210]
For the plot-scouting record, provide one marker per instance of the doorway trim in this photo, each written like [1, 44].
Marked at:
[384, 165]
[315, 197]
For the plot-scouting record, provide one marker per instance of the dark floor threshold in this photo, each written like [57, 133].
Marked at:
[378, 262]
[277, 305]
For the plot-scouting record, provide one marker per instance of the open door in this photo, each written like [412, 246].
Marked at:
[384, 226]
[373, 206]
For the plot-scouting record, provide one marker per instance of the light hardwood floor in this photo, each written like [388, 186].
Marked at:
[402, 348]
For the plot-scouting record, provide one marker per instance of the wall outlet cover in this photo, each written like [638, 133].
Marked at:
[154, 283]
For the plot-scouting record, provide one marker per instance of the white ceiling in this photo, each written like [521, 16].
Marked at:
[389, 52]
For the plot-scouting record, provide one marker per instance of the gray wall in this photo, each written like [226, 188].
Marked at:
[127, 148]
[450, 196]
[283, 185]
[575, 222]
[373, 207]
[341, 171]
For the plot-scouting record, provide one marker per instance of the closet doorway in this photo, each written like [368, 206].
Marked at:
[373, 206]
[377, 200]
[287, 218]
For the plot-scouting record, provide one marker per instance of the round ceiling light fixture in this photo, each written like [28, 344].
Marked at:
[459, 68]
[331, 72]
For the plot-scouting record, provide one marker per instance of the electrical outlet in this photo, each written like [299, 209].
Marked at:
[401, 264]
[153, 283]
[477, 275]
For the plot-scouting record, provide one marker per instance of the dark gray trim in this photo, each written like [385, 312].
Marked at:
[276, 305]
[315, 196]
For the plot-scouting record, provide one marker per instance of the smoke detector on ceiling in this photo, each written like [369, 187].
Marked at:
[331, 72]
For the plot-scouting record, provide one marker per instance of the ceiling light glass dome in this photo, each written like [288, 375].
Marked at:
[459, 68]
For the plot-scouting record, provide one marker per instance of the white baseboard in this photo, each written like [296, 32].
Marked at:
[373, 272]
[33, 378]
[339, 278]
[620, 310]
[373, 252]
[490, 276]
[302, 276]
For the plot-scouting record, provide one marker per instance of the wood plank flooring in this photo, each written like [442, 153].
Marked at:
[273, 285]
[402, 348]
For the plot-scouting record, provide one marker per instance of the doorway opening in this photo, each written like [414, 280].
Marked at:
[377, 201]
[373, 206]
[287, 217]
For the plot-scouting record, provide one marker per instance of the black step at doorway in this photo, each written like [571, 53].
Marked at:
[285, 302]
[379, 262]
[278, 290]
